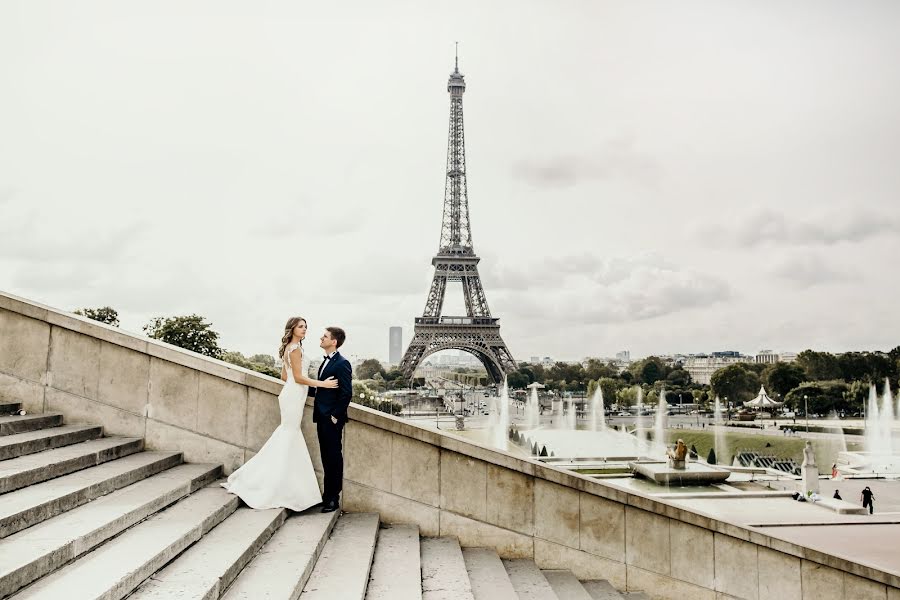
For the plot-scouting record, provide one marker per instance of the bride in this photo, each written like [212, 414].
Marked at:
[281, 474]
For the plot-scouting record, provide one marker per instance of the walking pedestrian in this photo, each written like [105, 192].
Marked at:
[868, 499]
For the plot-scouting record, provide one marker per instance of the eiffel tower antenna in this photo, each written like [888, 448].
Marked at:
[477, 332]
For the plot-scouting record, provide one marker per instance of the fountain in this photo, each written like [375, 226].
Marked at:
[598, 411]
[719, 432]
[882, 450]
[571, 423]
[533, 408]
[559, 421]
[659, 427]
[499, 418]
[639, 430]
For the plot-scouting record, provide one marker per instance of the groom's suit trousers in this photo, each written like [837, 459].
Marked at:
[332, 457]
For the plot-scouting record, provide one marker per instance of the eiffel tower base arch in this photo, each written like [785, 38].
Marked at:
[482, 341]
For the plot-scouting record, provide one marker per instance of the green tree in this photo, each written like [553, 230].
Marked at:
[819, 366]
[263, 359]
[236, 358]
[781, 377]
[678, 378]
[735, 383]
[106, 314]
[821, 396]
[369, 368]
[649, 371]
[190, 332]
[627, 396]
[609, 386]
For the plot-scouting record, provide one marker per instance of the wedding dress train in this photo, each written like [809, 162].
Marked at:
[281, 474]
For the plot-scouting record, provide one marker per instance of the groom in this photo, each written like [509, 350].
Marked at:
[330, 414]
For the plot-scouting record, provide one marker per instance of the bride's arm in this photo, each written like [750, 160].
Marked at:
[301, 378]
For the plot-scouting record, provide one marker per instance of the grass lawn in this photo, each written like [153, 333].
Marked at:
[782, 447]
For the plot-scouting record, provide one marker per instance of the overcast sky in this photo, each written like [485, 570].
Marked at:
[655, 176]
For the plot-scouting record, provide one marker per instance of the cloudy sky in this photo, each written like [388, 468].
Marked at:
[654, 176]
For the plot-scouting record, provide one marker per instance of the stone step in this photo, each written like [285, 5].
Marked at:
[396, 570]
[444, 575]
[8, 408]
[636, 596]
[34, 552]
[208, 567]
[601, 589]
[284, 564]
[528, 581]
[116, 568]
[342, 570]
[487, 575]
[565, 585]
[13, 424]
[35, 503]
[17, 473]
[20, 444]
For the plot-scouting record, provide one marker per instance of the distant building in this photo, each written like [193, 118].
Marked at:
[787, 356]
[395, 353]
[624, 356]
[766, 357]
[702, 367]
[535, 360]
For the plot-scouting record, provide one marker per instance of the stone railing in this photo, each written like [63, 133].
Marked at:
[216, 412]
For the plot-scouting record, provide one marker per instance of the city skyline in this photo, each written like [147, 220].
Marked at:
[667, 184]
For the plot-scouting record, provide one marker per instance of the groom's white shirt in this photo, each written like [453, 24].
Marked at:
[325, 362]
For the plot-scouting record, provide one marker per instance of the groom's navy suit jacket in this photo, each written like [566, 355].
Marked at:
[334, 402]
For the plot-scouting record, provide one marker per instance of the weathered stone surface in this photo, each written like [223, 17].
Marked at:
[263, 416]
[647, 541]
[26, 507]
[342, 570]
[174, 393]
[737, 573]
[24, 344]
[487, 575]
[391, 508]
[124, 378]
[444, 575]
[415, 470]
[222, 409]
[13, 424]
[34, 468]
[38, 550]
[195, 447]
[661, 587]
[396, 568]
[208, 567]
[821, 582]
[21, 444]
[556, 513]
[527, 580]
[74, 363]
[510, 499]
[83, 411]
[586, 566]
[28, 393]
[858, 588]
[471, 533]
[779, 575]
[693, 554]
[367, 455]
[119, 566]
[463, 485]
[602, 527]
[566, 585]
[287, 560]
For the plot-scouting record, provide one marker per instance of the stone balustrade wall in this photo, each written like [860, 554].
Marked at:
[216, 412]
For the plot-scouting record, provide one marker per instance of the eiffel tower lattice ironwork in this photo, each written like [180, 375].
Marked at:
[477, 333]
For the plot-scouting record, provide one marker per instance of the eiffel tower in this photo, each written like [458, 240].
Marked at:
[477, 333]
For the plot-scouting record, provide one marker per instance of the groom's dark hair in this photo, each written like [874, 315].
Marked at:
[337, 334]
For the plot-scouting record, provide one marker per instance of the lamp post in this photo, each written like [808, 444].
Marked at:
[806, 410]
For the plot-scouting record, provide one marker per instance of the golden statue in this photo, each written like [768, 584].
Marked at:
[678, 455]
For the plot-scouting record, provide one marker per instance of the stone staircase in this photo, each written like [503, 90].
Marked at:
[86, 516]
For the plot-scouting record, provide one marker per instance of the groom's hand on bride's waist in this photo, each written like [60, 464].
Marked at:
[334, 419]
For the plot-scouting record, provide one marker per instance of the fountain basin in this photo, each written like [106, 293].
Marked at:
[868, 462]
[693, 474]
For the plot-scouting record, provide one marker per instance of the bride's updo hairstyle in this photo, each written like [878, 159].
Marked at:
[288, 334]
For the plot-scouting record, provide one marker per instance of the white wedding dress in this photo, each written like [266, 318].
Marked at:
[281, 474]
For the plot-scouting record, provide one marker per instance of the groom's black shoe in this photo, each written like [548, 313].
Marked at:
[330, 506]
